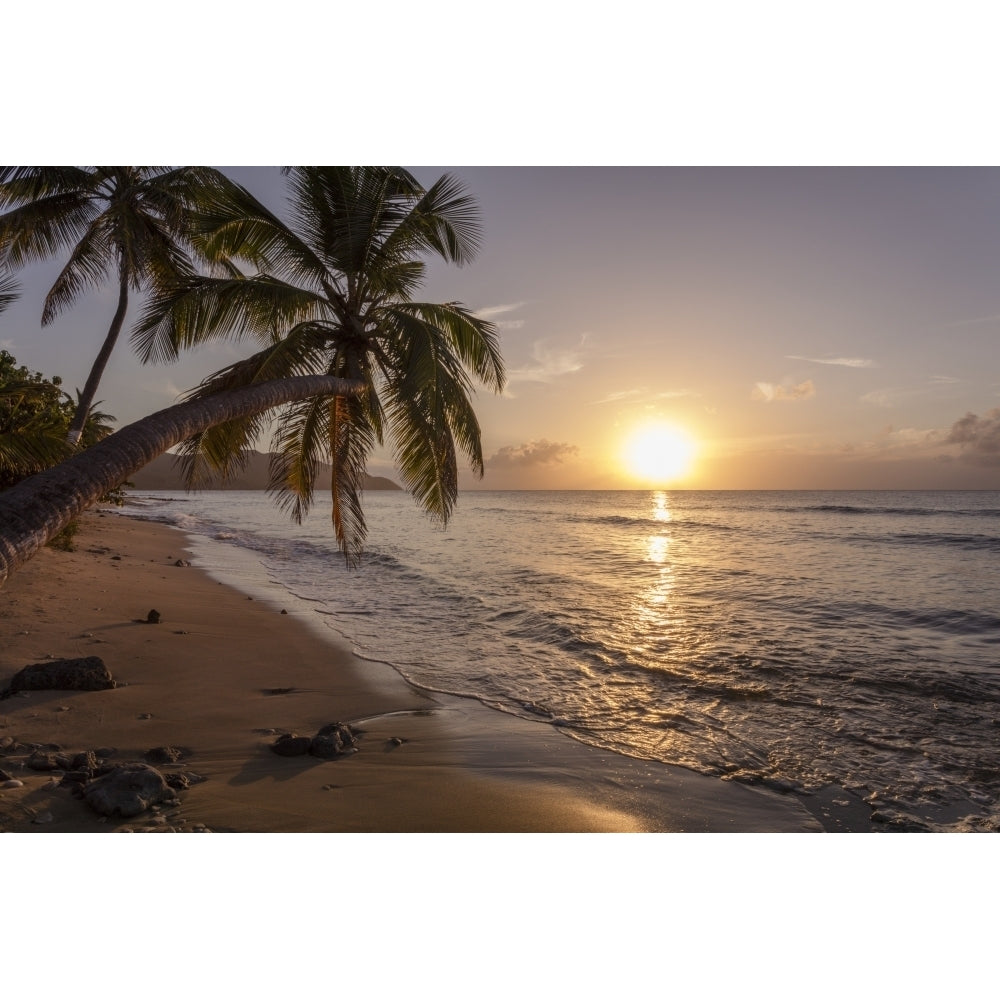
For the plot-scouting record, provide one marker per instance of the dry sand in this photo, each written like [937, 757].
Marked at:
[201, 680]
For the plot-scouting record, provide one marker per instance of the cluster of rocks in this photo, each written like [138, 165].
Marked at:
[334, 740]
[112, 789]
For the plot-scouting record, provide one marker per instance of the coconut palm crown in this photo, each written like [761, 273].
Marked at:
[124, 224]
[331, 293]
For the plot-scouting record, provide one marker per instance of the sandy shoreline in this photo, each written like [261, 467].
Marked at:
[202, 680]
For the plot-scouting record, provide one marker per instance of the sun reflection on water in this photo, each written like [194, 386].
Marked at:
[661, 512]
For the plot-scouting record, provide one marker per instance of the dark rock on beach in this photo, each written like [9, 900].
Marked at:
[184, 779]
[40, 760]
[86, 673]
[291, 745]
[165, 755]
[85, 761]
[128, 790]
[332, 741]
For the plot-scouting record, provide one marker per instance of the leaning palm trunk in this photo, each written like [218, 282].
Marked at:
[40, 507]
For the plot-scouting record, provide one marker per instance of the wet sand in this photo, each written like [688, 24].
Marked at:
[223, 674]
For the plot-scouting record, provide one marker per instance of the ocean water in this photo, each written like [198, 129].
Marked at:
[806, 641]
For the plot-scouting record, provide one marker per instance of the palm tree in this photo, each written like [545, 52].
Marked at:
[332, 295]
[124, 223]
[38, 508]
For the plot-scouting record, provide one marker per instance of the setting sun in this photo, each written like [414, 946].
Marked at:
[659, 453]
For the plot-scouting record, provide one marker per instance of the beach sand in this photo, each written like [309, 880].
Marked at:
[204, 678]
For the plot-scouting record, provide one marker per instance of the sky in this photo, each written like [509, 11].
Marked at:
[805, 328]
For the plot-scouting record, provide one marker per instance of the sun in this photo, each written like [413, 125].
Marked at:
[659, 453]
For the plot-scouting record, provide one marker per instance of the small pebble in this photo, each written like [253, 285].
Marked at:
[146, 715]
[63, 708]
[13, 783]
[43, 817]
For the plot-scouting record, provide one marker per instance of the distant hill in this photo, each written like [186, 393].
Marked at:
[163, 473]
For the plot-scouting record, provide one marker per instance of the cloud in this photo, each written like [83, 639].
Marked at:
[845, 362]
[979, 437]
[531, 453]
[978, 321]
[886, 398]
[617, 397]
[488, 312]
[943, 380]
[510, 324]
[768, 392]
[550, 363]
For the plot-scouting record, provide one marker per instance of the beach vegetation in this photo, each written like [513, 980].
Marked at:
[123, 224]
[34, 414]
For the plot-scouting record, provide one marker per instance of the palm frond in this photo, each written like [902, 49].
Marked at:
[88, 266]
[9, 288]
[20, 185]
[199, 309]
[475, 341]
[229, 223]
[36, 231]
[445, 221]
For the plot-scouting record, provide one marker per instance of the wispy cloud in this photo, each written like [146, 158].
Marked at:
[943, 380]
[7, 345]
[769, 392]
[617, 397]
[488, 312]
[550, 363]
[845, 362]
[531, 453]
[978, 321]
[510, 324]
[886, 398]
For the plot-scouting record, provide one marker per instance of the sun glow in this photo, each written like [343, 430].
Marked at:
[659, 453]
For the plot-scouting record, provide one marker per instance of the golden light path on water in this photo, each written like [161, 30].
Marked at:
[651, 612]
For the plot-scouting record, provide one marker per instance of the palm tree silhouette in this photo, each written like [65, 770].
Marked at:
[332, 294]
[120, 223]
